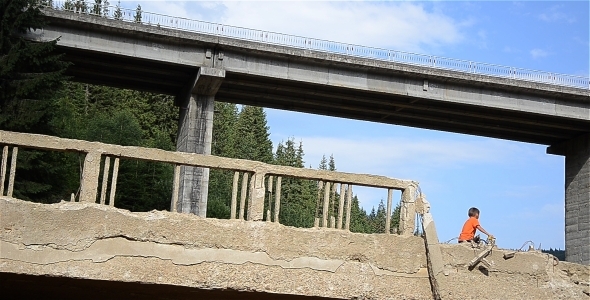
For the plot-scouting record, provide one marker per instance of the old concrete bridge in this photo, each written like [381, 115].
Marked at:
[87, 248]
[200, 62]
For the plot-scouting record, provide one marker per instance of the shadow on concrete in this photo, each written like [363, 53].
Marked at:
[20, 286]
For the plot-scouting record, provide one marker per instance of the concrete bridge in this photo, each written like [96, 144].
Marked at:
[87, 248]
[199, 63]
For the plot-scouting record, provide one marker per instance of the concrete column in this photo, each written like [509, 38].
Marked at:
[195, 131]
[577, 197]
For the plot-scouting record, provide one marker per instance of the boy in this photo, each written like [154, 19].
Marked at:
[471, 225]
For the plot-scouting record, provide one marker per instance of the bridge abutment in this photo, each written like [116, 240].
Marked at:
[577, 197]
[195, 130]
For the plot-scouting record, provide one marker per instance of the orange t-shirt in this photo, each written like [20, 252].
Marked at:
[469, 228]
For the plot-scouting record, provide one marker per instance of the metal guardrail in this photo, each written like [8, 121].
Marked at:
[164, 21]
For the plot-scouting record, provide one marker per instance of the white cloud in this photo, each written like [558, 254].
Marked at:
[554, 15]
[404, 26]
[392, 25]
[398, 156]
[538, 53]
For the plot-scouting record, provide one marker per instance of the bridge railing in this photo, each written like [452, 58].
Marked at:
[258, 199]
[184, 24]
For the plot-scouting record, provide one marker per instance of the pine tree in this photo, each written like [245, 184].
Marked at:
[323, 163]
[28, 70]
[331, 164]
[220, 182]
[97, 8]
[254, 142]
[81, 6]
[137, 16]
[105, 8]
[69, 5]
[118, 14]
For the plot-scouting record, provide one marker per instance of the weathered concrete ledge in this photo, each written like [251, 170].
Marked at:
[527, 275]
[91, 241]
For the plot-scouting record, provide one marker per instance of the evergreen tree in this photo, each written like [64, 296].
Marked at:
[254, 142]
[118, 14]
[29, 73]
[220, 182]
[298, 196]
[105, 8]
[323, 163]
[28, 70]
[69, 5]
[81, 6]
[97, 8]
[332, 164]
[137, 16]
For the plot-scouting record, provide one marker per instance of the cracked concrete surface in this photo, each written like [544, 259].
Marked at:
[103, 245]
[91, 241]
[528, 275]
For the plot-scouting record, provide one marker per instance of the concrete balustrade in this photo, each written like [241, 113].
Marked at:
[257, 179]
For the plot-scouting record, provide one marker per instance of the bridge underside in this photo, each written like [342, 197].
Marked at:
[172, 79]
[23, 286]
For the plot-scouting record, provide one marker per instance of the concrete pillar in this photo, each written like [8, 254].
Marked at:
[577, 197]
[195, 131]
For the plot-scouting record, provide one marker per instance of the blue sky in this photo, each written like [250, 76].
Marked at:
[518, 188]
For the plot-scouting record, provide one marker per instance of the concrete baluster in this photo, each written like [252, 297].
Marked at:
[3, 169]
[243, 195]
[12, 171]
[114, 182]
[388, 212]
[277, 199]
[268, 216]
[234, 195]
[341, 205]
[326, 205]
[408, 211]
[316, 221]
[90, 173]
[348, 206]
[175, 188]
[105, 179]
[257, 192]
[333, 206]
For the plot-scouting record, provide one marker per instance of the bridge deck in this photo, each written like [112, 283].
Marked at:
[145, 57]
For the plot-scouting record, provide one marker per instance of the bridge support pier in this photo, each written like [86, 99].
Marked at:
[577, 197]
[195, 130]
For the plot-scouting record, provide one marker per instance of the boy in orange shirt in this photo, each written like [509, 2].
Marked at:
[471, 225]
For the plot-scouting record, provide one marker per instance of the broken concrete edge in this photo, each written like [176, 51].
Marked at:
[98, 242]
[434, 258]
[7, 205]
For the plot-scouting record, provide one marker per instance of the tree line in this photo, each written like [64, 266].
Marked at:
[37, 97]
